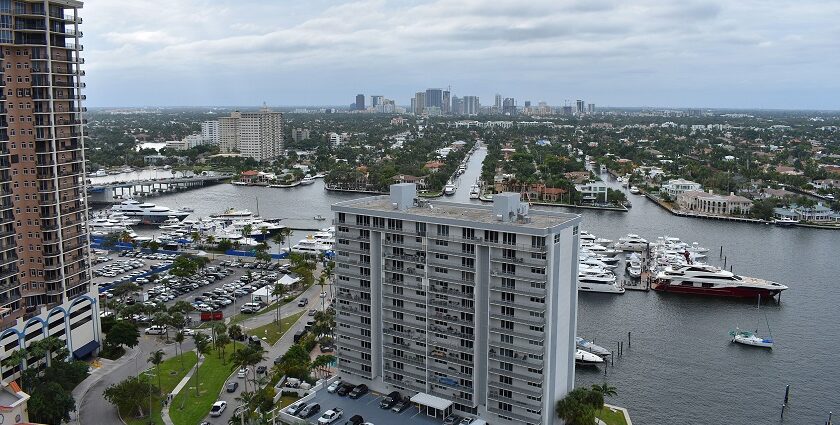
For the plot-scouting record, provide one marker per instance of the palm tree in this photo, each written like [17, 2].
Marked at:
[202, 347]
[125, 236]
[210, 239]
[246, 231]
[255, 357]
[604, 389]
[278, 292]
[579, 406]
[196, 237]
[235, 332]
[284, 234]
[156, 358]
[241, 359]
[279, 239]
[179, 339]
[222, 340]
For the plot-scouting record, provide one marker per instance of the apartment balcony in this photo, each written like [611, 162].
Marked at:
[408, 308]
[416, 327]
[353, 368]
[406, 372]
[412, 348]
[524, 417]
[446, 369]
[409, 384]
[449, 330]
[453, 248]
[520, 289]
[349, 297]
[408, 295]
[451, 318]
[522, 350]
[449, 277]
[346, 353]
[437, 289]
[443, 354]
[450, 345]
[518, 388]
[533, 277]
[520, 259]
[453, 305]
[353, 311]
[519, 373]
[524, 334]
[454, 396]
[418, 259]
[414, 360]
[519, 318]
[521, 303]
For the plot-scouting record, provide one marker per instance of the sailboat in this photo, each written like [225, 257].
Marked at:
[751, 338]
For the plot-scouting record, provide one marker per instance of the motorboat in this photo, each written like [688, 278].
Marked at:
[585, 358]
[634, 271]
[311, 246]
[785, 222]
[475, 192]
[635, 190]
[186, 209]
[704, 279]
[231, 214]
[631, 242]
[99, 173]
[148, 213]
[601, 250]
[590, 346]
[449, 189]
[595, 262]
[319, 217]
[171, 223]
[307, 180]
[599, 282]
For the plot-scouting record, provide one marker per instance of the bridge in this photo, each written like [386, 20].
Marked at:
[108, 193]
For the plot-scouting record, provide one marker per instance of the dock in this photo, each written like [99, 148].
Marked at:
[108, 193]
[644, 281]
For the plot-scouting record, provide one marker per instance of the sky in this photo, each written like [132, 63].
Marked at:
[650, 53]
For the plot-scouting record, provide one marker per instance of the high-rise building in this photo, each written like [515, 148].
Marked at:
[210, 132]
[44, 242]
[471, 105]
[590, 108]
[257, 135]
[420, 102]
[377, 100]
[300, 134]
[413, 105]
[527, 103]
[360, 102]
[434, 98]
[567, 110]
[509, 106]
[579, 109]
[446, 106]
[498, 103]
[457, 105]
[473, 306]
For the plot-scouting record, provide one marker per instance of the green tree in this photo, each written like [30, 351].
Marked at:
[278, 292]
[235, 332]
[179, 339]
[605, 389]
[123, 333]
[202, 347]
[184, 266]
[222, 340]
[579, 406]
[156, 358]
[130, 395]
[51, 404]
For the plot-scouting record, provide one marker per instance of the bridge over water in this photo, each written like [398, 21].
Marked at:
[108, 193]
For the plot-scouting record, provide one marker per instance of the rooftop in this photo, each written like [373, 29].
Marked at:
[468, 213]
[367, 407]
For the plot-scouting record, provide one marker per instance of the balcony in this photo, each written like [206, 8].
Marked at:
[448, 370]
[520, 290]
[437, 289]
[451, 319]
[530, 418]
[533, 277]
[519, 318]
[437, 302]
[353, 311]
[522, 388]
[415, 360]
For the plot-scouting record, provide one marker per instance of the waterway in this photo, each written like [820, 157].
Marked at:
[681, 367]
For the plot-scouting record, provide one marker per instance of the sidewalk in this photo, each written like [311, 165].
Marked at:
[164, 413]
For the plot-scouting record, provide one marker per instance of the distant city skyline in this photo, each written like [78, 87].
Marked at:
[706, 54]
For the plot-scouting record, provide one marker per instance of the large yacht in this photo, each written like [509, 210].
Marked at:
[631, 242]
[148, 213]
[232, 214]
[709, 280]
[596, 280]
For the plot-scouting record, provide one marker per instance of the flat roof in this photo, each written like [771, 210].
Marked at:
[469, 213]
[431, 401]
[367, 407]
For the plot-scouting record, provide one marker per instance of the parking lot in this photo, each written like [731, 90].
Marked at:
[368, 407]
[225, 285]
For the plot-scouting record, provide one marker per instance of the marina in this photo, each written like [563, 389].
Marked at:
[666, 328]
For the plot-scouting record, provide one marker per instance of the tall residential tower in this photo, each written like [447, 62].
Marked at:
[470, 308]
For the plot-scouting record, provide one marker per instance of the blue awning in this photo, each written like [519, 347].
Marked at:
[85, 350]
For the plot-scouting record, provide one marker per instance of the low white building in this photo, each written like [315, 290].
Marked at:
[595, 191]
[713, 204]
[676, 187]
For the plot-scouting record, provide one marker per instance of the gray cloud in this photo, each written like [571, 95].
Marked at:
[333, 50]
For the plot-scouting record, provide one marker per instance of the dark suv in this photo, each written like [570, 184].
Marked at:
[389, 401]
[359, 391]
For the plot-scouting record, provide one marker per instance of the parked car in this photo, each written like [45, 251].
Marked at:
[218, 408]
[312, 312]
[295, 408]
[401, 405]
[232, 386]
[254, 340]
[243, 372]
[155, 330]
[452, 420]
[390, 400]
[355, 420]
[334, 386]
[261, 370]
[345, 389]
[359, 391]
[309, 411]
[330, 416]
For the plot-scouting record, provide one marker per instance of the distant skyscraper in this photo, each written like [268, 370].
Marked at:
[257, 135]
[579, 109]
[210, 132]
[360, 102]
[590, 108]
[457, 105]
[498, 104]
[471, 105]
[527, 103]
[434, 98]
[413, 104]
[509, 106]
[377, 100]
[446, 106]
[420, 102]
[567, 110]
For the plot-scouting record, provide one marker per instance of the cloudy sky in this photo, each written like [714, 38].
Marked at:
[679, 53]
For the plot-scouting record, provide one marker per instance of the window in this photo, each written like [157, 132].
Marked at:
[442, 230]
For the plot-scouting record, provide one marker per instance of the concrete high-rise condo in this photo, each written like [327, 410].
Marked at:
[257, 135]
[472, 306]
[44, 244]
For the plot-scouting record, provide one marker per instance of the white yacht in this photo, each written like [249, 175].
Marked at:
[311, 246]
[307, 180]
[586, 358]
[475, 192]
[148, 213]
[631, 242]
[785, 222]
[590, 346]
[594, 281]
[635, 190]
[99, 173]
[449, 189]
[232, 214]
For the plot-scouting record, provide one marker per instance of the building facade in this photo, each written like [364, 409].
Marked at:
[257, 135]
[419, 103]
[210, 132]
[471, 105]
[713, 204]
[474, 305]
[360, 102]
[434, 98]
[676, 187]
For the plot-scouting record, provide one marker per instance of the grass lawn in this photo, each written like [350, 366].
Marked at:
[189, 409]
[286, 400]
[610, 417]
[171, 374]
[272, 332]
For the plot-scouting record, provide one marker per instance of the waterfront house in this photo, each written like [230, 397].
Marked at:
[433, 166]
[594, 191]
[817, 213]
[405, 178]
[713, 204]
[674, 188]
[577, 177]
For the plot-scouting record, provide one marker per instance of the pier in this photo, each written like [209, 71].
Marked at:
[108, 193]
